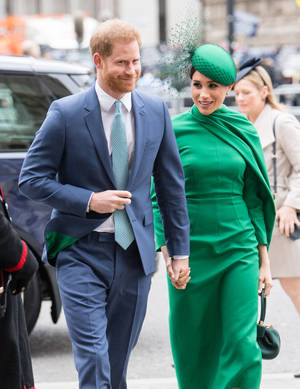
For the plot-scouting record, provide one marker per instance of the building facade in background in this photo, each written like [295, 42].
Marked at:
[279, 22]
[153, 18]
[275, 22]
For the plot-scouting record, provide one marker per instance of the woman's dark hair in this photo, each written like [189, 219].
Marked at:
[192, 71]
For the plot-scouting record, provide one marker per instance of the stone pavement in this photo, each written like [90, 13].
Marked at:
[270, 381]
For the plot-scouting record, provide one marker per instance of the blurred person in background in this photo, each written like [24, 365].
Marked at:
[273, 71]
[255, 98]
[92, 161]
[31, 48]
[213, 322]
[17, 267]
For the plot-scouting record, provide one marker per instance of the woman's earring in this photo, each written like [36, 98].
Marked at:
[263, 99]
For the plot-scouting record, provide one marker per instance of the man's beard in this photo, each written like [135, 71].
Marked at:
[121, 86]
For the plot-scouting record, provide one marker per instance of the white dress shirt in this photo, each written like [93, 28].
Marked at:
[107, 106]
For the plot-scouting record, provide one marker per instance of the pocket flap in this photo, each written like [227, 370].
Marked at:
[148, 218]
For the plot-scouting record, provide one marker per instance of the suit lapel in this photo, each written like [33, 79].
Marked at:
[140, 135]
[94, 124]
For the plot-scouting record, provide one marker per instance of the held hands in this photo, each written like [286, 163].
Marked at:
[265, 277]
[109, 201]
[286, 219]
[178, 269]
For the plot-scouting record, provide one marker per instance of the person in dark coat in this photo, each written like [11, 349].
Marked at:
[17, 266]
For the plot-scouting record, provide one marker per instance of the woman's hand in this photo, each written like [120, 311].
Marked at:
[286, 218]
[265, 277]
[178, 269]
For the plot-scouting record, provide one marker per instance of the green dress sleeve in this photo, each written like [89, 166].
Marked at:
[255, 205]
[158, 226]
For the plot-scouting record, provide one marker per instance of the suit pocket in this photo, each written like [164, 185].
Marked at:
[148, 218]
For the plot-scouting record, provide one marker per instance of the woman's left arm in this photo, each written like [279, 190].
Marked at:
[256, 212]
[265, 277]
[255, 205]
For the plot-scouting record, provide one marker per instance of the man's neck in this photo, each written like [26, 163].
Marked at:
[114, 94]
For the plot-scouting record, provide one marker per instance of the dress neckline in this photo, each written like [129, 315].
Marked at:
[198, 115]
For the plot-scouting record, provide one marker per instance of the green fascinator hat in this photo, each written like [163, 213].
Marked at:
[215, 63]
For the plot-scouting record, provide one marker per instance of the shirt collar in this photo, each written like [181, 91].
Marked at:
[106, 101]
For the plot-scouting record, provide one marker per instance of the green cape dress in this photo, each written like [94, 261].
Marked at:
[231, 211]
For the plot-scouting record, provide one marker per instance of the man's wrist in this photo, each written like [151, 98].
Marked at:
[175, 257]
[89, 203]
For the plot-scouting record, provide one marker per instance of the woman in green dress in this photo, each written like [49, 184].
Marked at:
[213, 317]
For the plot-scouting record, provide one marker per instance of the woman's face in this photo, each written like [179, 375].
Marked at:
[207, 94]
[249, 98]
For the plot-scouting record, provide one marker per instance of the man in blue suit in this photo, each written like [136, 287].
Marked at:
[92, 161]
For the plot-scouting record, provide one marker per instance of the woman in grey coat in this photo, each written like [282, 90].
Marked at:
[255, 98]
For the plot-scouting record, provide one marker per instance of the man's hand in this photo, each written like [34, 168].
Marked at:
[181, 271]
[178, 269]
[109, 201]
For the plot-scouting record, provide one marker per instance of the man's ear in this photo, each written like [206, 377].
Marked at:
[97, 60]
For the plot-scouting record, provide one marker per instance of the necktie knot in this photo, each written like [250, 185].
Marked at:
[118, 106]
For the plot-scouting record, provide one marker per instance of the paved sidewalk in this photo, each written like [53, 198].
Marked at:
[270, 381]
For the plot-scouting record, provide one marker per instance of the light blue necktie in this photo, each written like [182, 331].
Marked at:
[123, 231]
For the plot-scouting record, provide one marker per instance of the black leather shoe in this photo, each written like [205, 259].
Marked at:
[297, 375]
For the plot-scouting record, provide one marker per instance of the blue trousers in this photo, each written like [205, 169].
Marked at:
[104, 294]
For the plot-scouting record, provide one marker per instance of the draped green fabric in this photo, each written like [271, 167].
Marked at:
[236, 130]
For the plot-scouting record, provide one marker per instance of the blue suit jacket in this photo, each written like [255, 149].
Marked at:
[69, 159]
